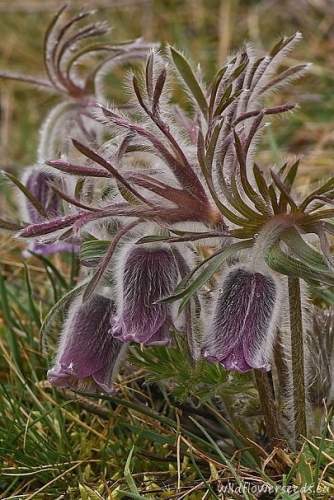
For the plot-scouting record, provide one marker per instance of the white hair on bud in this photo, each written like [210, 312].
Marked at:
[72, 314]
[119, 261]
[265, 350]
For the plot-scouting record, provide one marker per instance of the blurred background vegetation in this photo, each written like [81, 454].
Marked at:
[50, 446]
[207, 30]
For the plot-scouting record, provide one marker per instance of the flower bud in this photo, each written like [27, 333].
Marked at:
[37, 181]
[88, 354]
[244, 321]
[149, 274]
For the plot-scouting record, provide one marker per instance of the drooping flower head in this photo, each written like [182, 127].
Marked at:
[38, 182]
[88, 355]
[243, 321]
[149, 274]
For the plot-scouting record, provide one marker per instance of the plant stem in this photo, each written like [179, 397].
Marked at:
[282, 370]
[268, 404]
[297, 358]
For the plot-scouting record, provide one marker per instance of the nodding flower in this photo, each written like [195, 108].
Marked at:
[243, 326]
[38, 182]
[149, 274]
[88, 355]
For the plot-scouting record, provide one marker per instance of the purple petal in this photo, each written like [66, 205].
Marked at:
[88, 353]
[161, 337]
[235, 361]
[242, 321]
[37, 182]
[149, 275]
[51, 248]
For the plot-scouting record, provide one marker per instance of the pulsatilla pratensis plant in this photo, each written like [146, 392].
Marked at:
[184, 236]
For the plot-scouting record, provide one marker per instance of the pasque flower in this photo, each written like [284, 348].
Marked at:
[149, 274]
[38, 182]
[88, 354]
[241, 333]
[195, 179]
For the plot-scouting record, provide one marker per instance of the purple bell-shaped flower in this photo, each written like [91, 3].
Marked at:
[149, 274]
[243, 327]
[88, 355]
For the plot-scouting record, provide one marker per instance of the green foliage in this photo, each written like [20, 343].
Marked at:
[202, 381]
[79, 446]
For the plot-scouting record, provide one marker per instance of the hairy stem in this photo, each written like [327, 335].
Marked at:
[268, 404]
[297, 358]
[282, 370]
